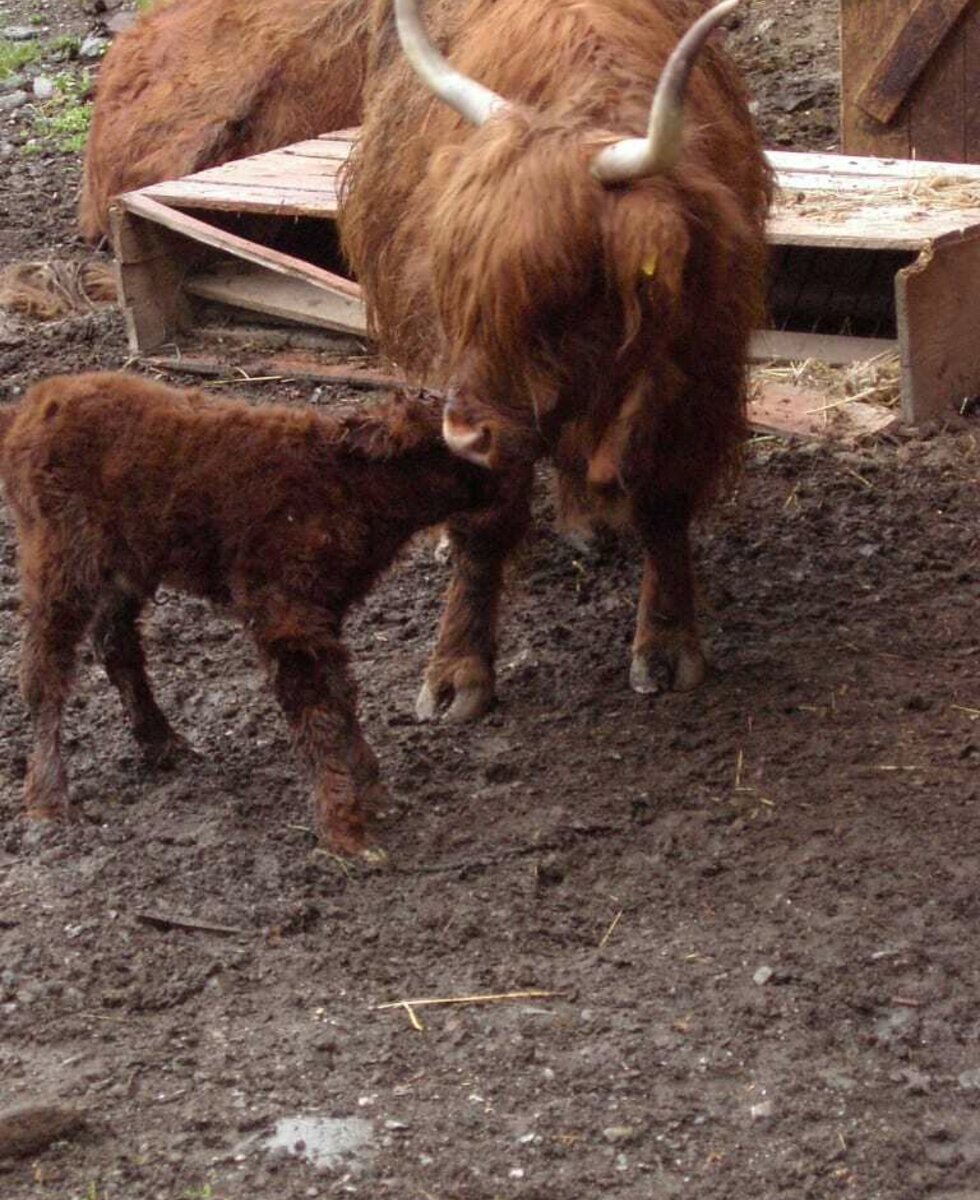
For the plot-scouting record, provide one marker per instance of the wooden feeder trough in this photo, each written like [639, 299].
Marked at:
[869, 256]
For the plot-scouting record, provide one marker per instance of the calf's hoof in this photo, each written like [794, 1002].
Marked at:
[681, 671]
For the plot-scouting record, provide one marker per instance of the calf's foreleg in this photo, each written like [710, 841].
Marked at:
[317, 693]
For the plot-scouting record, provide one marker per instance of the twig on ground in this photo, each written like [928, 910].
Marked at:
[170, 921]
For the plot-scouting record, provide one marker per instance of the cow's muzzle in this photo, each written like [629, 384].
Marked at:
[465, 434]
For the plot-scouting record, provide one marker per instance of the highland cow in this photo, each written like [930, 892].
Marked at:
[196, 83]
[580, 268]
[286, 517]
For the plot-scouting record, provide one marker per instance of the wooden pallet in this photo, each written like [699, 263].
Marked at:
[176, 247]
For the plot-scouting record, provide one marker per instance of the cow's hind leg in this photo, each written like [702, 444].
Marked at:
[667, 639]
[116, 636]
[459, 680]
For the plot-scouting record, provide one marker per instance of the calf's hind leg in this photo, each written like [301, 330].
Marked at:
[56, 615]
[116, 637]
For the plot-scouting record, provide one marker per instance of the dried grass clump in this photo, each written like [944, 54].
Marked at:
[49, 291]
[875, 380]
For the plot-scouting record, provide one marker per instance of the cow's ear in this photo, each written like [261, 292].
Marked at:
[400, 425]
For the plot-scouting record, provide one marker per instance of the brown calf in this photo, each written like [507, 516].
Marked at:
[286, 517]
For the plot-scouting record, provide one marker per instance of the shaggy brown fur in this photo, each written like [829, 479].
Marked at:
[119, 485]
[196, 83]
[606, 326]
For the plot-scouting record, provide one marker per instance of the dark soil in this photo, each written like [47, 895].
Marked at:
[756, 904]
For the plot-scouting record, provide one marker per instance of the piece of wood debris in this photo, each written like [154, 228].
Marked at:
[172, 921]
[32, 1128]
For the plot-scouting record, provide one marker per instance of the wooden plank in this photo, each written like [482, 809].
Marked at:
[866, 164]
[910, 52]
[281, 201]
[892, 229]
[209, 235]
[879, 188]
[786, 345]
[288, 364]
[257, 289]
[938, 310]
[786, 410]
[971, 92]
[937, 108]
[866, 27]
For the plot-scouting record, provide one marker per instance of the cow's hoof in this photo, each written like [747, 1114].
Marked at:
[163, 753]
[457, 705]
[680, 672]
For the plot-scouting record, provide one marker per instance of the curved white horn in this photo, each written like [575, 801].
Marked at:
[635, 158]
[474, 102]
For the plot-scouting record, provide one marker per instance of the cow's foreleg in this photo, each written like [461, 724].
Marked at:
[459, 680]
[667, 639]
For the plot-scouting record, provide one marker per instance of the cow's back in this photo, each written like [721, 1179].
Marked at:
[198, 82]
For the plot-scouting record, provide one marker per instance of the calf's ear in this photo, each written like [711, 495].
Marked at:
[401, 425]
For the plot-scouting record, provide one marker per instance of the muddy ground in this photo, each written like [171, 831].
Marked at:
[756, 906]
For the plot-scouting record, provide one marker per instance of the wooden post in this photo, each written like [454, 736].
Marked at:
[939, 327]
[910, 85]
[151, 263]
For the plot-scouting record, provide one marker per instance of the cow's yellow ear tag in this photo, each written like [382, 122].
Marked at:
[649, 265]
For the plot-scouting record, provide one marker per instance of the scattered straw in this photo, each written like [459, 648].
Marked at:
[875, 380]
[490, 998]
[942, 192]
[609, 932]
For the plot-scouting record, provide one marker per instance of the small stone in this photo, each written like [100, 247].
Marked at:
[93, 46]
[121, 21]
[839, 1082]
[616, 1135]
[969, 1079]
[13, 100]
[20, 33]
[516, 1172]
[13, 83]
[762, 1111]
[396, 1126]
[763, 975]
[43, 87]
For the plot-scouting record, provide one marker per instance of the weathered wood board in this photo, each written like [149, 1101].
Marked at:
[909, 71]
